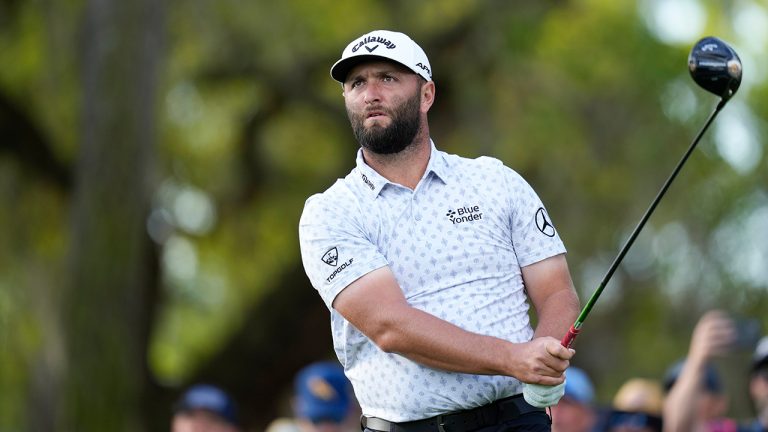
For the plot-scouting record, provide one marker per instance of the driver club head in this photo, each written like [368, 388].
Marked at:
[715, 66]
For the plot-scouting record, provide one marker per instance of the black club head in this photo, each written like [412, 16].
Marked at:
[715, 66]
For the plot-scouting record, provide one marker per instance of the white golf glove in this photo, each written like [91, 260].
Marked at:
[542, 396]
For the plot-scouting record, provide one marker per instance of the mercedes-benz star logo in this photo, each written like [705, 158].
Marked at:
[543, 224]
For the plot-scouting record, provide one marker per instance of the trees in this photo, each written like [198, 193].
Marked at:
[110, 292]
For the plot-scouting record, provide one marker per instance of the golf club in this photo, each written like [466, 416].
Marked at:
[715, 67]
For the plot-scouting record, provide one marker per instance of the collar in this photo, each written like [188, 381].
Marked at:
[373, 182]
[438, 164]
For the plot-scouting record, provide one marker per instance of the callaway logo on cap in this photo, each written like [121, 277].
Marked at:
[386, 44]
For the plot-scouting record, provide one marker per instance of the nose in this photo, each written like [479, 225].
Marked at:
[372, 93]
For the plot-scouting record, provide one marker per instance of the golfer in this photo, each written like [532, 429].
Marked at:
[429, 261]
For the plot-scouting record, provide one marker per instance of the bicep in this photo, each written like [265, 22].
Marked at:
[546, 278]
[372, 302]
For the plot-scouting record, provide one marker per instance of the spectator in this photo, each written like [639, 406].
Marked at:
[697, 402]
[636, 407]
[709, 402]
[205, 408]
[758, 388]
[575, 412]
[322, 401]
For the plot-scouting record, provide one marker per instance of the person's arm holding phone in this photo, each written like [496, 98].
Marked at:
[713, 335]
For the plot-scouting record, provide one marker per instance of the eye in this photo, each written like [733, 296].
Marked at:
[388, 78]
[356, 83]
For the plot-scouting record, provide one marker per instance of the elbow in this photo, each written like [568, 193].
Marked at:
[387, 342]
[386, 336]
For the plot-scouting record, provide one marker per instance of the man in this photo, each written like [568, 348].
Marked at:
[322, 402]
[707, 404]
[758, 388]
[575, 412]
[205, 408]
[636, 407]
[696, 400]
[425, 259]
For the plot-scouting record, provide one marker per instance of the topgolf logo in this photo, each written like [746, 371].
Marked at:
[331, 257]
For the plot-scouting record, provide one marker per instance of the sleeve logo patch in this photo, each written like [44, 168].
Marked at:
[331, 257]
[543, 224]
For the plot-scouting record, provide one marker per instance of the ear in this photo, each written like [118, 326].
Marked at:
[427, 95]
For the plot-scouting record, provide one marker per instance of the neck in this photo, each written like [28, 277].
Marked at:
[406, 167]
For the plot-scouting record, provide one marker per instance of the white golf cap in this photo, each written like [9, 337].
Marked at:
[383, 44]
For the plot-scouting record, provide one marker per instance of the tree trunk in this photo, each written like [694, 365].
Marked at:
[105, 311]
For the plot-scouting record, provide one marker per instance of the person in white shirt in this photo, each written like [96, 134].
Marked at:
[428, 263]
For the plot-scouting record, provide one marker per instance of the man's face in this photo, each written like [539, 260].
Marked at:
[200, 421]
[383, 102]
[572, 416]
[758, 389]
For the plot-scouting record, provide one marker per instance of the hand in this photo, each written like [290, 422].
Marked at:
[541, 361]
[712, 336]
[542, 396]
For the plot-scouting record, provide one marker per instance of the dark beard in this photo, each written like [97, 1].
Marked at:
[394, 138]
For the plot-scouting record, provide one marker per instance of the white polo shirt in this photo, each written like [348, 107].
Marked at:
[455, 244]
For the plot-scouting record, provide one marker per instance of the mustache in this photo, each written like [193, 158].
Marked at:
[375, 110]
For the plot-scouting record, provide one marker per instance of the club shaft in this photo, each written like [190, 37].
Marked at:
[576, 327]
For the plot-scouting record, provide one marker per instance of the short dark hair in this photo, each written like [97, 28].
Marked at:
[760, 368]
[710, 382]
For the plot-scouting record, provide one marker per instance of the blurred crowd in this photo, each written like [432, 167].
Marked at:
[322, 400]
[690, 397]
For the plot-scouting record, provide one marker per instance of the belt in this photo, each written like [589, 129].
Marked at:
[494, 413]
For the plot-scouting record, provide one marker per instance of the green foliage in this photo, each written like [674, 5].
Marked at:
[581, 98]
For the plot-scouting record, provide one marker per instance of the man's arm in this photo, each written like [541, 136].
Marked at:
[376, 306]
[549, 286]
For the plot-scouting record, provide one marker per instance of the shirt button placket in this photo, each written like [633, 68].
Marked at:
[415, 208]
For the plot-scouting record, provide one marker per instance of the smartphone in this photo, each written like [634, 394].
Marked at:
[748, 332]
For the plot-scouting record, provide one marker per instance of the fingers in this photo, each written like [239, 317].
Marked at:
[713, 335]
[544, 361]
[556, 349]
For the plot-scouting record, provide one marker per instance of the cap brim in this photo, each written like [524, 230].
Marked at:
[341, 68]
[760, 364]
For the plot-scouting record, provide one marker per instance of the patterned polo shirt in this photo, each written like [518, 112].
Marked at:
[455, 245]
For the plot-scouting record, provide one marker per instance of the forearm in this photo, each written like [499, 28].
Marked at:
[428, 340]
[556, 314]
[395, 326]
[681, 402]
[436, 343]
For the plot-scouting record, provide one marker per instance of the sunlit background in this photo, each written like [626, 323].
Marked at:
[208, 168]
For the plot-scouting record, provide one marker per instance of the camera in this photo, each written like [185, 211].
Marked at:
[748, 332]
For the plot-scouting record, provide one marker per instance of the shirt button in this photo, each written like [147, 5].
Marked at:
[417, 216]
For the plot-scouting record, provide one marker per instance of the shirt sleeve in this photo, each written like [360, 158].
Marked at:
[336, 248]
[533, 233]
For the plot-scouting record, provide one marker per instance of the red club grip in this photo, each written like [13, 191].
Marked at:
[568, 339]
